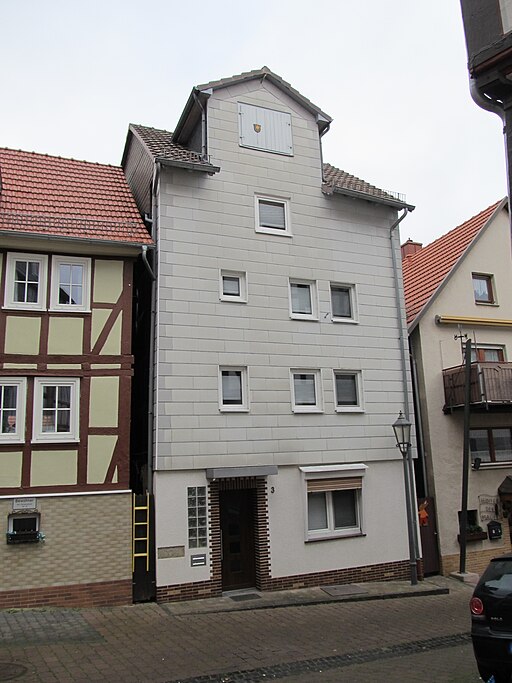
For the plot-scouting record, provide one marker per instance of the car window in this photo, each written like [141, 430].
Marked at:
[498, 576]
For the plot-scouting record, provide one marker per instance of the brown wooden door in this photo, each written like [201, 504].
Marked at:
[237, 530]
[428, 534]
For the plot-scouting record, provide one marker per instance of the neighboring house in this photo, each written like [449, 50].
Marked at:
[69, 231]
[279, 351]
[460, 285]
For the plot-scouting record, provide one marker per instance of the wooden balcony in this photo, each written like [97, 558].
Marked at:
[491, 387]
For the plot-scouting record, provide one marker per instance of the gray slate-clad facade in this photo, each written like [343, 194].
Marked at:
[277, 357]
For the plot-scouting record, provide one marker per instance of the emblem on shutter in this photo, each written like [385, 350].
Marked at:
[257, 127]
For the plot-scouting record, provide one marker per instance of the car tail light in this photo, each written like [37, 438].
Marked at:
[476, 606]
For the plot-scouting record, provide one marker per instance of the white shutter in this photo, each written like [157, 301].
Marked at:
[265, 129]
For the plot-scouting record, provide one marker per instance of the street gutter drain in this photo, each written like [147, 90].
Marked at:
[245, 596]
[10, 671]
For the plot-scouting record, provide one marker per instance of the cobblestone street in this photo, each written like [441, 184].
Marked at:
[413, 638]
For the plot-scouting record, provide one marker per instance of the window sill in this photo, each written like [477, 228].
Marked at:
[311, 410]
[56, 440]
[350, 321]
[237, 409]
[335, 537]
[298, 316]
[349, 409]
[233, 300]
[487, 303]
[272, 231]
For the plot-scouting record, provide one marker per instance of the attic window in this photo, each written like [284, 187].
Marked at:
[265, 129]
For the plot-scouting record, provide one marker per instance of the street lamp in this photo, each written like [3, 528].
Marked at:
[402, 430]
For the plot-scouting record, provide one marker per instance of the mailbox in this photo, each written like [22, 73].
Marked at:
[494, 530]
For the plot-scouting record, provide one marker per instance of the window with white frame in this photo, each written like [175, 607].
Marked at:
[334, 500]
[272, 216]
[233, 392]
[70, 283]
[306, 391]
[12, 409]
[25, 284]
[348, 394]
[303, 300]
[56, 409]
[233, 286]
[483, 288]
[343, 303]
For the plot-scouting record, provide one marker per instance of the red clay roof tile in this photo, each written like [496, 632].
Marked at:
[425, 270]
[67, 198]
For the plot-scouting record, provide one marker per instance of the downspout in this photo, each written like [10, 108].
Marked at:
[402, 336]
[203, 126]
[325, 130]
[152, 324]
[420, 439]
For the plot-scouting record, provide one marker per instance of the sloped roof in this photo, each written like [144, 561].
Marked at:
[267, 73]
[425, 270]
[52, 196]
[160, 145]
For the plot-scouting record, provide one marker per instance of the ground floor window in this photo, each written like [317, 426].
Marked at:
[334, 503]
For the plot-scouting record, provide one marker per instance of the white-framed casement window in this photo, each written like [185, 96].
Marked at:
[25, 283]
[70, 284]
[306, 390]
[348, 391]
[12, 409]
[343, 303]
[273, 216]
[233, 286]
[303, 299]
[233, 389]
[56, 409]
[333, 501]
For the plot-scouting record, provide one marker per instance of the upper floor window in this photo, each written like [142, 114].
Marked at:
[483, 289]
[233, 392]
[348, 391]
[12, 409]
[265, 129]
[70, 288]
[25, 285]
[233, 286]
[272, 216]
[303, 297]
[306, 391]
[56, 409]
[27, 276]
[343, 303]
[491, 445]
[487, 354]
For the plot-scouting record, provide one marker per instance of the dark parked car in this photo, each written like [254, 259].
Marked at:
[491, 620]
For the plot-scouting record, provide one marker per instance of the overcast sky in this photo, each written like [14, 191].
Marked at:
[392, 74]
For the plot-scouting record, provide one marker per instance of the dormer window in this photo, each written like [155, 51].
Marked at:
[265, 129]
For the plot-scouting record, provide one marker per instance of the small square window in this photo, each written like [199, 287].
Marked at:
[272, 216]
[25, 286]
[70, 284]
[347, 391]
[303, 300]
[343, 303]
[12, 409]
[233, 393]
[233, 286]
[306, 391]
[483, 289]
[56, 409]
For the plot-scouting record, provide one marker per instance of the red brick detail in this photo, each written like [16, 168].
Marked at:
[104, 594]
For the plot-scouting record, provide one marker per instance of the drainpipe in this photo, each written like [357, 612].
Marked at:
[420, 439]
[203, 126]
[325, 130]
[152, 324]
[402, 336]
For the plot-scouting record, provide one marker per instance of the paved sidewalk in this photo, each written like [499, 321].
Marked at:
[304, 635]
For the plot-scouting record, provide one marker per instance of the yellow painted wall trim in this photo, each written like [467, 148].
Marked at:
[463, 320]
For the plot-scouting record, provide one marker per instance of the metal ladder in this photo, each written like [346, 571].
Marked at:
[140, 524]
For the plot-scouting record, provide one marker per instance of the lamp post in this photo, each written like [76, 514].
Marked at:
[402, 430]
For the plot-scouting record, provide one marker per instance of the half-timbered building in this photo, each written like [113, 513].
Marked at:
[69, 233]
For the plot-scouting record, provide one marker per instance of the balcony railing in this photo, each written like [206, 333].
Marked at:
[491, 385]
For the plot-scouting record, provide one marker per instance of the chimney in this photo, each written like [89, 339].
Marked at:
[410, 248]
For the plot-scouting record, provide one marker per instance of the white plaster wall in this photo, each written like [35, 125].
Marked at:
[207, 223]
[383, 523]
[444, 433]
[171, 528]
